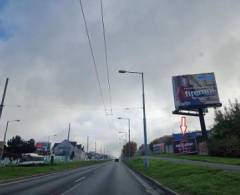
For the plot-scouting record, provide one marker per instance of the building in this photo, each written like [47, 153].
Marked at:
[67, 150]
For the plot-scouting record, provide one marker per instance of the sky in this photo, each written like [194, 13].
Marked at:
[45, 53]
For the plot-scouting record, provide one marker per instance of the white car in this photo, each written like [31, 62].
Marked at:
[31, 159]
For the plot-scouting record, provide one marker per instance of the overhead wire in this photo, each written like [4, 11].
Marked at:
[110, 123]
[95, 64]
[106, 57]
[93, 57]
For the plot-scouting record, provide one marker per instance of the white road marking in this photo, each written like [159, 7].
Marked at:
[35, 177]
[80, 179]
[71, 189]
[75, 186]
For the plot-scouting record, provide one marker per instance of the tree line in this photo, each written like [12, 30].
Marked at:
[225, 134]
[17, 146]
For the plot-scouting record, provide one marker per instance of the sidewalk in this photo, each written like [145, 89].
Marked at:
[224, 167]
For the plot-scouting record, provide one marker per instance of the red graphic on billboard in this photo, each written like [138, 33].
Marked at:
[183, 128]
[183, 125]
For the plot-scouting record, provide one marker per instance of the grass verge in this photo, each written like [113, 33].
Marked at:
[211, 159]
[190, 179]
[12, 172]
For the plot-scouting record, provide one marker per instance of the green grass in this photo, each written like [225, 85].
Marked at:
[191, 179]
[211, 159]
[13, 172]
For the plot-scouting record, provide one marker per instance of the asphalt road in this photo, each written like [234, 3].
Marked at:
[111, 178]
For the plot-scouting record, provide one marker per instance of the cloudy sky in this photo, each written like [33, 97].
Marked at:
[45, 53]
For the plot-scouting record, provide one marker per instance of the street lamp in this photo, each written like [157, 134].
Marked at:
[49, 147]
[5, 134]
[146, 163]
[129, 147]
[122, 71]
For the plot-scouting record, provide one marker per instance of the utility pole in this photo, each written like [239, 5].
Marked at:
[69, 129]
[95, 147]
[3, 97]
[87, 143]
[146, 162]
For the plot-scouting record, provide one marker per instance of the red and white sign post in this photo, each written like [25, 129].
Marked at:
[183, 128]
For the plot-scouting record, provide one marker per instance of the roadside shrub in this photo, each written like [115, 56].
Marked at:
[228, 147]
[225, 135]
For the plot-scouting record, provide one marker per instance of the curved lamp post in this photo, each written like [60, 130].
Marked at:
[146, 162]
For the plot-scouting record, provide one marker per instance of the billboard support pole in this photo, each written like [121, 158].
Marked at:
[203, 126]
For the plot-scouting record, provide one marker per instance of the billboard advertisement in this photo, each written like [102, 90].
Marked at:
[195, 91]
[43, 148]
[158, 148]
[187, 146]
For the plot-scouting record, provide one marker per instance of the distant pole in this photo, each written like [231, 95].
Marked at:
[129, 144]
[69, 129]
[3, 97]
[49, 144]
[129, 129]
[95, 147]
[87, 143]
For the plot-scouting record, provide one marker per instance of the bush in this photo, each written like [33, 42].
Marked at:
[225, 139]
[228, 147]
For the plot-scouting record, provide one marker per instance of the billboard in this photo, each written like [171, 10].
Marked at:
[195, 91]
[158, 148]
[43, 148]
[187, 146]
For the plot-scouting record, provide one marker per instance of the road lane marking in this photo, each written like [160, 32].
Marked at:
[80, 179]
[78, 183]
[71, 189]
[36, 177]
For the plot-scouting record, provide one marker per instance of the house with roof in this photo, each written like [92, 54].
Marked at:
[68, 150]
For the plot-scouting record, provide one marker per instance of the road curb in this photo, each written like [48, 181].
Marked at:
[154, 182]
